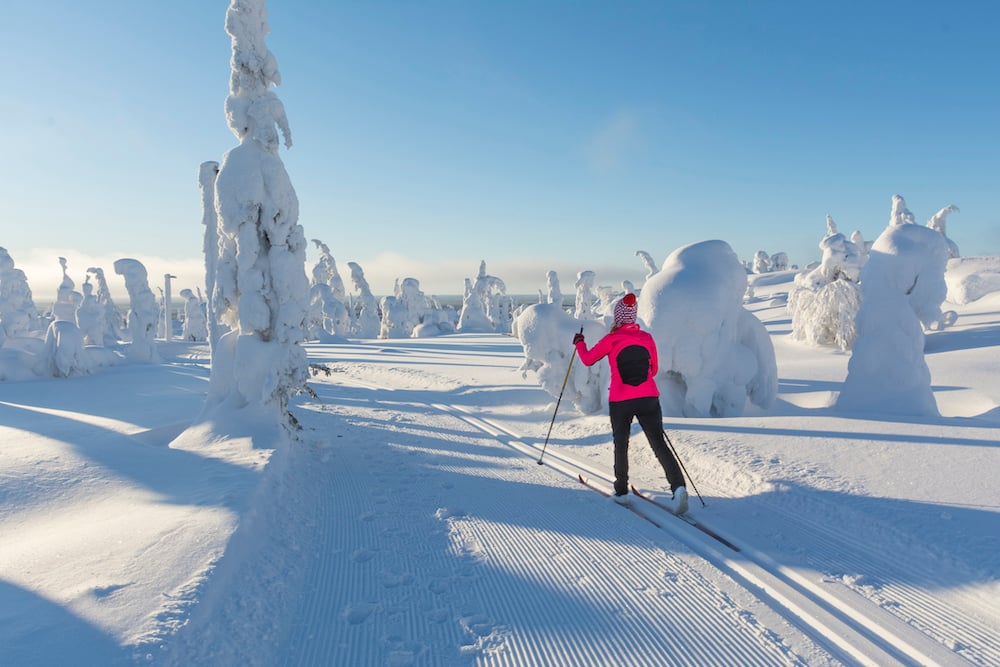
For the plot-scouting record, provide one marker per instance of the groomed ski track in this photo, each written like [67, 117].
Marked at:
[458, 548]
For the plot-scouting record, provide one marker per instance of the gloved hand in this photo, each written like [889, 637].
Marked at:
[577, 338]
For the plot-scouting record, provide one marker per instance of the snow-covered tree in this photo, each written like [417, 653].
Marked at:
[328, 318]
[18, 314]
[473, 317]
[325, 272]
[260, 278]
[114, 321]
[647, 261]
[215, 254]
[553, 291]
[394, 316]
[493, 294]
[714, 354]
[545, 331]
[938, 222]
[143, 313]
[862, 246]
[64, 355]
[902, 287]
[167, 308]
[779, 261]
[607, 296]
[414, 301]
[195, 321]
[586, 299]
[485, 305]
[67, 298]
[366, 320]
[929, 290]
[900, 215]
[90, 316]
[824, 302]
[761, 262]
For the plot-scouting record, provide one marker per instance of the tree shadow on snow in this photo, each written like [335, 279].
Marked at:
[178, 476]
[868, 543]
[966, 339]
[914, 438]
[35, 631]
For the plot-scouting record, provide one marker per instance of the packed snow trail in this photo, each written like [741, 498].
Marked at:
[407, 536]
[412, 531]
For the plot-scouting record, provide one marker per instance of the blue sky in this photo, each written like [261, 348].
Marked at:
[567, 135]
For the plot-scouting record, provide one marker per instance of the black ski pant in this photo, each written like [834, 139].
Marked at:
[647, 410]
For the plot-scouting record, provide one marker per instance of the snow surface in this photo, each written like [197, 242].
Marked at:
[413, 526]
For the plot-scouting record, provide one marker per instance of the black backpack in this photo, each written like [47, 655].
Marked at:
[633, 365]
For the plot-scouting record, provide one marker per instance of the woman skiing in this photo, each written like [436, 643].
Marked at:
[633, 394]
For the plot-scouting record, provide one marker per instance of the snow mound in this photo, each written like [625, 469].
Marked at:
[972, 278]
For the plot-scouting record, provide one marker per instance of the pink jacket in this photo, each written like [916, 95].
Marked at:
[611, 346]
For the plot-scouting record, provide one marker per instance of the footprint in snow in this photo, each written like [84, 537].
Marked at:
[362, 555]
[358, 612]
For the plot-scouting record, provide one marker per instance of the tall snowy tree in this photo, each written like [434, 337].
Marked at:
[367, 317]
[207, 174]
[902, 287]
[261, 288]
[142, 313]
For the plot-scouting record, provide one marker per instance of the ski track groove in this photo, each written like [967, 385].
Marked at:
[886, 640]
[945, 622]
[932, 616]
[651, 621]
[647, 569]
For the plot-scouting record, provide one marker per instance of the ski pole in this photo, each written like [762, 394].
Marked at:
[686, 475]
[558, 401]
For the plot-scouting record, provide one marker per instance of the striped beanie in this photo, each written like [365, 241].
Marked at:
[625, 311]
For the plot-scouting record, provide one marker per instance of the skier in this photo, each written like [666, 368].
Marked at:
[633, 393]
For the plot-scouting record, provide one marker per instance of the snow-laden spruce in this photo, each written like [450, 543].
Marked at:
[195, 327]
[586, 299]
[143, 312]
[366, 320]
[486, 306]
[545, 331]
[939, 223]
[824, 301]
[207, 173]
[329, 318]
[473, 318]
[648, 262]
[70, 342]
[714, 354]
[553, 292]
[18, 315]
[114, 321]
[261, 289]
[409, 313]
[90, 316]
[902, 288]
